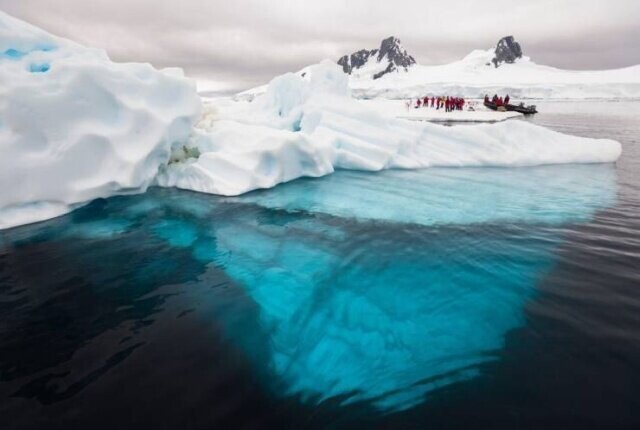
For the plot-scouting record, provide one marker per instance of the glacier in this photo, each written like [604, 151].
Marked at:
[75, 126]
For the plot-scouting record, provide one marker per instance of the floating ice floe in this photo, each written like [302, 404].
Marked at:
[309, 126]
[75, 126]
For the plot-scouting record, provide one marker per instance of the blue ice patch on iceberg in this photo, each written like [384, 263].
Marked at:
[16, 54]
[39, 67]
[13, 54]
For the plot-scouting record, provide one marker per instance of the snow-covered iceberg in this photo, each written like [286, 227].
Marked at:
[309, 126]
[75, 126]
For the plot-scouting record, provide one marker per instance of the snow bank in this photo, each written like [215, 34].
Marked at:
[308, 125]
[75, 126]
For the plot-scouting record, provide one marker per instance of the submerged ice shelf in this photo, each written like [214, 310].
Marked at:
[441, 196]
[412, 308]
[349, 300]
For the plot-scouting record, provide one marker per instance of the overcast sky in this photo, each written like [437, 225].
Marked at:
[241, 43]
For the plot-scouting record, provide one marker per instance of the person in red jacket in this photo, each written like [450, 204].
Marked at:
[425, 102]
[418, 102]
[446, 104]
[433, 100]
[506, 99]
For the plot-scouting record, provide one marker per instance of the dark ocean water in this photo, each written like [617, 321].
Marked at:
[442, 298]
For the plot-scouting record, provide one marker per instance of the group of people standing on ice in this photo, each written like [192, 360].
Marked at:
[439, 102]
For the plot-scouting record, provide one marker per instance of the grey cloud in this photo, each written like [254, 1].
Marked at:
[246, 42]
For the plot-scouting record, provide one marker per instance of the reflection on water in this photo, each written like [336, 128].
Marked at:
[360, 288]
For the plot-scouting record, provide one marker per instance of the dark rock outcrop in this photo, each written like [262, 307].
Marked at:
[356, 60]
[507, 51]
[390, 52]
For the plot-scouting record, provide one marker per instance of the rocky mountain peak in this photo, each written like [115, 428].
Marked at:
[391, 53]
[507, 51]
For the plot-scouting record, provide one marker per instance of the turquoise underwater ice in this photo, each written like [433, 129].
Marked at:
[419, 289]
[374, 288]
[410, 295]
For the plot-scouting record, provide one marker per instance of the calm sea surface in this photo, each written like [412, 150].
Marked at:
[441, 298]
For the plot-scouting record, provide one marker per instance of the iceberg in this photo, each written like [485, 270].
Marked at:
[75, 126]
[352, 288]
[309, 126]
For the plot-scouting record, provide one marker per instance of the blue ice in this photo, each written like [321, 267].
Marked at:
[436, 196]
[39, 67]
[420, 298]
[13, 54]
[387, 320]
[17, 54]
[378, 288]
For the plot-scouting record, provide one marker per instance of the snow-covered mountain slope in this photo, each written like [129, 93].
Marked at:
[75, 126]
[502, 70]
[475, 75]
[309, 126]
[374, 64]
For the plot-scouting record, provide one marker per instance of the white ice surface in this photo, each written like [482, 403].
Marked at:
[75, 126]
[309, 126]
